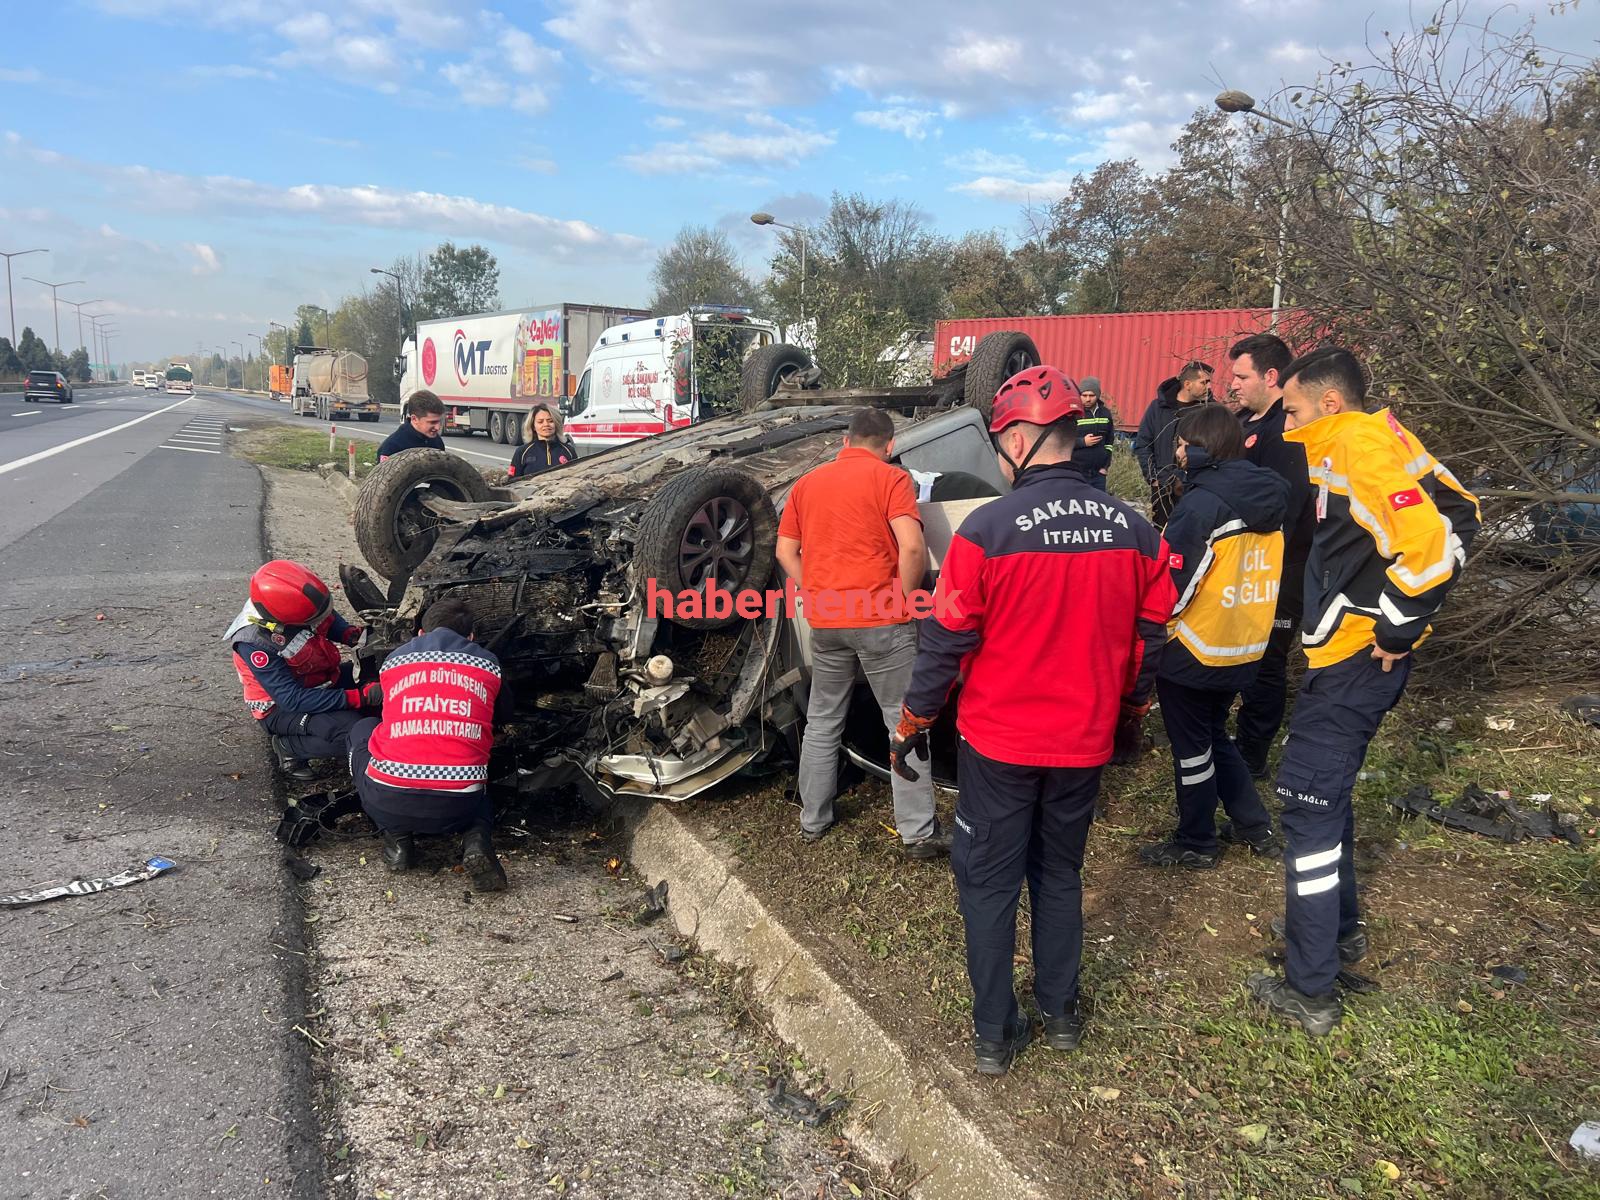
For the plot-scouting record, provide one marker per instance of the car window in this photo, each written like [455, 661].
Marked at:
[961, 449]
[580, 398]
[42, 377]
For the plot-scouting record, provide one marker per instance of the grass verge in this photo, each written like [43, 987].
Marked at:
[1452, 1081]
[303, 449]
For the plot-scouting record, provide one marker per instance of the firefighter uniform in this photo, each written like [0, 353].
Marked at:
[1039, 711]
[294, 681]
[1225, 547]
[1393, 526]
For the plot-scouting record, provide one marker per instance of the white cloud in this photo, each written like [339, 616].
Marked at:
[776, 144]
[1027, 189]
[540, 166]
[663, 122]
[1292, 52]
[338, 205]
[231, 71]
[508, 70]
[206, 260]
[980, 162]
[911, 122]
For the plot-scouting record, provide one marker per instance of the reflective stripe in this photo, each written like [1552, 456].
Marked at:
[1315, 887]
[1188, 780]
[1234, 526]
[1331, 617]
[1253, 650]
[1197, 761]
[297, 643]
[1419, 465]
[1322, 858]
[1363, 517]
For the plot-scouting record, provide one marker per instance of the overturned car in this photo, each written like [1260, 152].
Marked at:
[566, 570]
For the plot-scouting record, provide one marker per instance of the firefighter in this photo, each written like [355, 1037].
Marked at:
[1225, 548]
[423, 768]
[286, 643]
[1040, 711]
[1392, 530]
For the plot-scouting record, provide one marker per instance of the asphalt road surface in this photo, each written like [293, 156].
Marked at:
[147, 1034]
[477, 449]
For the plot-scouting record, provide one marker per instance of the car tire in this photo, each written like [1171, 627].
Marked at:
[394, 531]
[996, 359]
[707, 522]
[766, 370]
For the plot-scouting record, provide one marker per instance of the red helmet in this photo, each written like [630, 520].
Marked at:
[1039, 395]
[288, 594]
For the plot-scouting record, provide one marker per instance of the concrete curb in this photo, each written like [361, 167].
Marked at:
[340, 482]
[913, 1113]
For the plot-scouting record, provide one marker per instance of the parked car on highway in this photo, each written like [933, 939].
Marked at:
[558, 569]
[47, 385]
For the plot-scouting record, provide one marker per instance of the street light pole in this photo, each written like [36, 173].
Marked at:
[78, 304]
[261, 352]
[765, 218]
[54, 308]
[399, 299]
[1242, 102]
[241, 367]
[10, 303]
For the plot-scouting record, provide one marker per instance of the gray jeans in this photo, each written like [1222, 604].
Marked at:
[885, 654]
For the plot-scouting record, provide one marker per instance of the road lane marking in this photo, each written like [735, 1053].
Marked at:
[18, 464]
[190, 449]
[37, 412]
[185, 437]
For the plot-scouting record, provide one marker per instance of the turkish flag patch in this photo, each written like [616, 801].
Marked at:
[1249, 442]
[259, 659]
[1406, 499]
[1175, 562]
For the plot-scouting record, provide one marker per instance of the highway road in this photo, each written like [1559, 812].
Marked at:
[475, 448]
[147, 1043]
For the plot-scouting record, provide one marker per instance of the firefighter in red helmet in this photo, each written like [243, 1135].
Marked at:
[1040, 711]
[286, 644]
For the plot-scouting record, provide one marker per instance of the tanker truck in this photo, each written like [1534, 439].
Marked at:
[331, 384]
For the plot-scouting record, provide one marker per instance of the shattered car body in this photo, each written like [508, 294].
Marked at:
[559, 570]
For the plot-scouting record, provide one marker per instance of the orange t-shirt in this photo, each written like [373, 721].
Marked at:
[840, 514]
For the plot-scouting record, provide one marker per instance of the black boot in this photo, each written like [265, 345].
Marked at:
[294, 768]
[995, 1058]
[399, 850]
[480, 860]
[1317, 1015]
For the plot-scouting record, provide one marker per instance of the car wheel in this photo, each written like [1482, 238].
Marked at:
[708, 526]
[768, 369]
[393, 528]
[997, 358]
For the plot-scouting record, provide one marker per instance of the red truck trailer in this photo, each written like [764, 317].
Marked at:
[1130, 353]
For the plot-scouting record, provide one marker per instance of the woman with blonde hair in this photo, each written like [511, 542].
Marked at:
[542, 447]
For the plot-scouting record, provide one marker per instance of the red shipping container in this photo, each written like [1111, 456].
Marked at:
[1130, 353]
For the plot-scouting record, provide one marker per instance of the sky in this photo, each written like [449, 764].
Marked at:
[206, 165]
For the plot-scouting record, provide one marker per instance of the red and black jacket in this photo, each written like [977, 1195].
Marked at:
[296, 670]
[1052, 606]
[439, 694]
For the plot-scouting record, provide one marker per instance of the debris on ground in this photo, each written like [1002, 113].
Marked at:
[1583, 708]
[149, 869]
[798, 1106]
[655, 905]
[1585, 1140]
[306, 819]
[1492, 814]
[1509, 974]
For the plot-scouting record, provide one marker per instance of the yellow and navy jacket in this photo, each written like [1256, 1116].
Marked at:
[1393, 526]
[1225, 551]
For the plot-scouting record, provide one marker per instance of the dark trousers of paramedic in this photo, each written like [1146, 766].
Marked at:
[1335, 716]
[1207, 767]
[1261, 705]
[313, 735]
[1015, 823]
[413, 810]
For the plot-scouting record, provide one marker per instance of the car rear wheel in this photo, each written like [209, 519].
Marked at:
[393, 528]
[997, 358]
[768, 369]
[708, 527]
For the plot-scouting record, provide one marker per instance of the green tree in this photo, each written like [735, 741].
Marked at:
[35, 355]
[699, 267]
[1097, 229]
[303, 335]
[458, 281]
[10, 365]
[78, 366]
[318, 320]
[984, 278]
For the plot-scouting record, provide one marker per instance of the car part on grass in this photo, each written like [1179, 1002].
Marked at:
[1585, 1140]
[149, 869]
[1488, 814]
[306, 819]
[1507, 973]
[1583, 708]
[797, 1106]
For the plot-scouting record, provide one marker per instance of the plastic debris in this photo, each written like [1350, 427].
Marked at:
[1585, 1140]
[149, 869]
[798, 1106]
[1492, 814]
[655, 905]
[304, 820]
[1583, 708]
[1509, 973]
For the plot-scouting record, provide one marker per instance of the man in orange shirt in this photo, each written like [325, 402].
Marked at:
[851, 539]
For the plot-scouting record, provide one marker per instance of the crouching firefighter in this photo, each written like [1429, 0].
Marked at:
[1053, 602]
[1225, 547]
[424, 767]
[1391, 536]
[286, 650]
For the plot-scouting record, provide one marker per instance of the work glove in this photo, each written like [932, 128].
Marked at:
[1130, 733]
[370, 696]
[355, 635]
[910, 737]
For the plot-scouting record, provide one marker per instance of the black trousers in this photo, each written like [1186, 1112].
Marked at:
[1261, 705]
[1335, 717]
[413, 810]
[313, 735]
[1015, 823]
[1206, 766]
